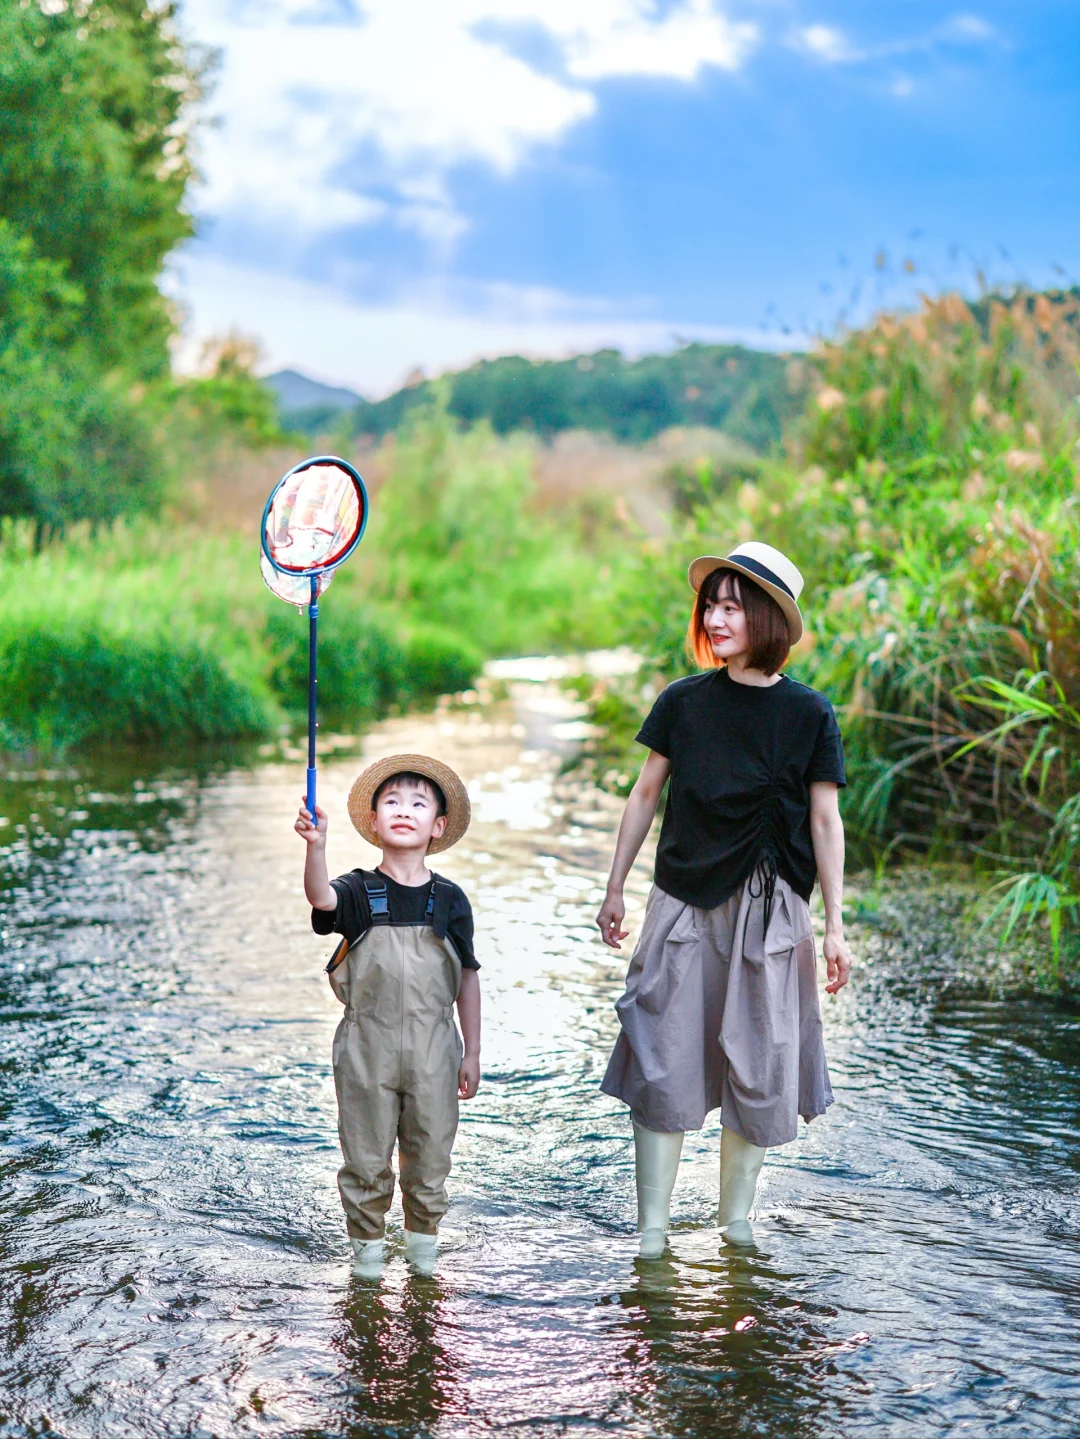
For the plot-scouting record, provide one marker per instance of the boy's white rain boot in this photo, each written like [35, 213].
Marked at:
[740, 1164]
[420, 1250]
[368, 1257]
[656, 1163]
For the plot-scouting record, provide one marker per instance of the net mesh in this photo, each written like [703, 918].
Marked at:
[313, 519]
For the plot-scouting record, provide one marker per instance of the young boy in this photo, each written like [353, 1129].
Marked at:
[405, 958]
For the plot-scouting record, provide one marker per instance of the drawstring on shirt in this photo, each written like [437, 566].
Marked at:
[766, 869]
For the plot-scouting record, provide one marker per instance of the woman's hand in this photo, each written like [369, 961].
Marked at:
[313, 831]
[610, 919]
[837, 961]
[637, 819]
[468, 1079]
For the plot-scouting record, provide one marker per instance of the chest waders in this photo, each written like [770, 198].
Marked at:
[396, 1054]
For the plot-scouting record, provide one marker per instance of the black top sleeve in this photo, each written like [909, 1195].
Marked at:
[827, 760]
[656, 731]
[353, 913]
[459, 929]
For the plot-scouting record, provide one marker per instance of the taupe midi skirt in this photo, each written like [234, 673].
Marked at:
[717, 1014]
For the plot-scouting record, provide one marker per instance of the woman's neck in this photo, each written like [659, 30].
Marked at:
[742, 674]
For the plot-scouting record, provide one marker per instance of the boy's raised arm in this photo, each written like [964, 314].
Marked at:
[320, 892]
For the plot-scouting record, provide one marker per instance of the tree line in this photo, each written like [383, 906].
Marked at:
[751, 395]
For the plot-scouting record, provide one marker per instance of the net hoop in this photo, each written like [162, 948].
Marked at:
[342, 555]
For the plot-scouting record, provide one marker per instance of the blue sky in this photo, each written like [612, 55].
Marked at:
[418, 182]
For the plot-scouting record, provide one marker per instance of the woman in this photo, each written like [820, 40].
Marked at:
[721, 1006]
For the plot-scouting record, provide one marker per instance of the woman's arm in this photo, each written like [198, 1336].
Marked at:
[468, 1008]
[637, 817]
[827, 831]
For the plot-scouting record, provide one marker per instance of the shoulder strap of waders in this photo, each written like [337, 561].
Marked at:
[438, 908]
[378, 904]
[377, 896]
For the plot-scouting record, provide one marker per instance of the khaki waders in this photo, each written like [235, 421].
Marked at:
[397, 1053]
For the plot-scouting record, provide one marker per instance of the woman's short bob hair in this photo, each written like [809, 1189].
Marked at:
[766, 627]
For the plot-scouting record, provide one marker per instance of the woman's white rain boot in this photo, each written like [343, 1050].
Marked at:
[368, 1257]
[656, 1163]
[420, 1250]
[740, 1164]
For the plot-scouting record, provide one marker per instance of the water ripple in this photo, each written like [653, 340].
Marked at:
[172, 1253]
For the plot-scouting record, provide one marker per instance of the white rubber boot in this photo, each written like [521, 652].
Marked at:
[420, 1251]
[368, 1257]
[740, 1164]
[656, 1163]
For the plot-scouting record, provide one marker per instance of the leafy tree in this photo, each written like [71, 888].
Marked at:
[71, 442]
[229, 401]
[94, 96]
[94, 160]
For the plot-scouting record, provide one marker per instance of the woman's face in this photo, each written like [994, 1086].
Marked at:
[725, 624]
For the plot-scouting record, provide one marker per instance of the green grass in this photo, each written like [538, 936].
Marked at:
[151, 633]
[148, 635]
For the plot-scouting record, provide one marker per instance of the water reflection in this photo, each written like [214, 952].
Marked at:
[401, 1376]
[728, 1338]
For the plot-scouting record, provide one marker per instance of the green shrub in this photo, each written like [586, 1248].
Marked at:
[362, 667]
[76, 684]
[439, 663]
[139, 632]
[457, 534]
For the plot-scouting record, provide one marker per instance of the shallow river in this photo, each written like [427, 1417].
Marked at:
[173, 1259]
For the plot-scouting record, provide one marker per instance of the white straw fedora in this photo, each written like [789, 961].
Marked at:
[458, 809]
[772, 570]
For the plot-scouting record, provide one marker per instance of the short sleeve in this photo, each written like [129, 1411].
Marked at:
[459, 929]
[351, 917]
[655, 733]
[827, 759]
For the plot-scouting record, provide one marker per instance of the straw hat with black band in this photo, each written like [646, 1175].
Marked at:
[458, 809]
[767, 567]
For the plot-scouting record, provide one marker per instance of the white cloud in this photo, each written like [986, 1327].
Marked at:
[831, 46]
[372, 348]
[967, 27]
[825, 43]
[414, 88]
[632, 41]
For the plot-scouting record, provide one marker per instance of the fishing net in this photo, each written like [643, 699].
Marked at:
[312, 522]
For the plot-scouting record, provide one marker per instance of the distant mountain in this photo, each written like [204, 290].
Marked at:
[751, 395]
[305, 404]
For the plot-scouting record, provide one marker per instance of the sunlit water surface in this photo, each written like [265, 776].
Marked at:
[172, 1252]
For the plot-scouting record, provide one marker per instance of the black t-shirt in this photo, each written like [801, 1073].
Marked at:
[743, 758]
[408, 905]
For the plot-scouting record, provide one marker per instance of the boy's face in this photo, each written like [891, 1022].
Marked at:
[406, 817]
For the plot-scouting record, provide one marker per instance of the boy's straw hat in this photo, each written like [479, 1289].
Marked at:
[458, 809]
[769, 568]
